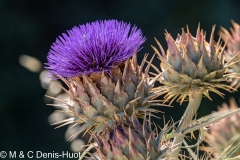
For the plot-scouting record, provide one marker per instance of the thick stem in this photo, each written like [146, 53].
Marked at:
[195, 99]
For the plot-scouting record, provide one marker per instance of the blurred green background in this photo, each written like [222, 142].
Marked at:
[29, 27]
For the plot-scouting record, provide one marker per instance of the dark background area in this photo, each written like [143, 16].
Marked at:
[30, 27]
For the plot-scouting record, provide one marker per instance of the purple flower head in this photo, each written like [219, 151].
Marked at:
[93, 47]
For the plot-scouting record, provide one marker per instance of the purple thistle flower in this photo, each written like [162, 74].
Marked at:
[93, 47]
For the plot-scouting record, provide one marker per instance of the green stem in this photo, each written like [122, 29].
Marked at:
[195, 99]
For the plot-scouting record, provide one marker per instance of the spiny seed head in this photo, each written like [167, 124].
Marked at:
[95, 98]
[190, 64]
[93, 47]
[226, 133]
[127, 139]
[233, 50]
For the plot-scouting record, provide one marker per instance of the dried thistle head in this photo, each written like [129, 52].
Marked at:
[232, 51]
[225, 135]
[191, 64]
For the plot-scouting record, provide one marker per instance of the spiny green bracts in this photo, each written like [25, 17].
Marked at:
[191, 64]
[97, 97]
[224, 136]
[127, 139]
[233, 50]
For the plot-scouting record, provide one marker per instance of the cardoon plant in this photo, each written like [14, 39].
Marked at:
[93, 60]
[109, 91]
[224, 137]
[128, 139]
[93, 48]
[232, 40]
[191, 67]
